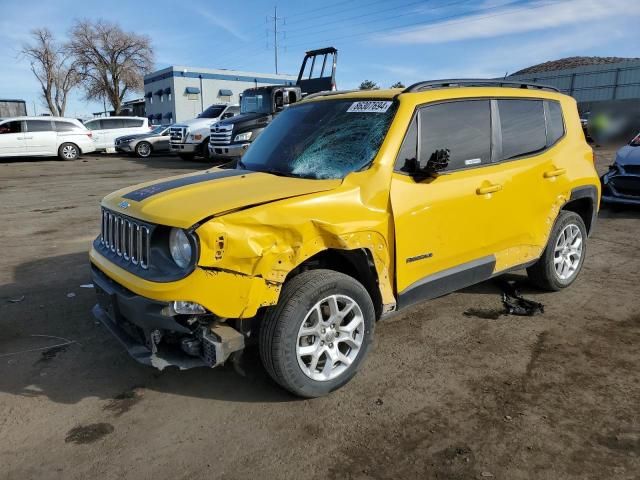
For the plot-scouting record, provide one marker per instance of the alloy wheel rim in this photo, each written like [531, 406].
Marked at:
[568, 252]
[330, 338]
[69, 152]
[143, 149]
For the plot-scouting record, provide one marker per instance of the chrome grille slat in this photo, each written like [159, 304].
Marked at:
[126, 238]
[221, 134]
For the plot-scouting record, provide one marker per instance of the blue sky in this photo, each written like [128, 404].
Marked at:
[381, 40]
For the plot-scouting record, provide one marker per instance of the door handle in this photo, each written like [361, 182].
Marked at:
[488, 189]
[555, 173]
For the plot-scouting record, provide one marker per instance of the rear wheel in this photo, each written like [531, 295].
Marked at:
[316, 338]
[204, 150]
[562, 259]
[68, 151]
[143, 149]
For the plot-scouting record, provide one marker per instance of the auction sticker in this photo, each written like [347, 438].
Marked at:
[369, 106]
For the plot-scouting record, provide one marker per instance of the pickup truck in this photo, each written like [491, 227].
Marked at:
[191, 138]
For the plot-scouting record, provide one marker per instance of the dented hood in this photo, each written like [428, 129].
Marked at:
[185, 200]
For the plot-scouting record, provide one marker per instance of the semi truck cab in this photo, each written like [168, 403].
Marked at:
[231, 137]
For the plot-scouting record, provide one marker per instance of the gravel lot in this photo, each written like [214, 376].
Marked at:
[443, 394]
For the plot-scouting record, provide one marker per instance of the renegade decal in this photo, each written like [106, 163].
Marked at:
[369, 106]
[146, 192]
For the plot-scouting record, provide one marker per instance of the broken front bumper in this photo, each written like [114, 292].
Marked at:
[154, 338]
[619, 186]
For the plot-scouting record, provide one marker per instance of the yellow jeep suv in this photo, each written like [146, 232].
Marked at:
[349, 206]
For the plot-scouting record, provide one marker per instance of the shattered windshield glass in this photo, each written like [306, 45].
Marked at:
[325, 139]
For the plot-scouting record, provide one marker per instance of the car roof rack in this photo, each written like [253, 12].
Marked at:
[475, 82]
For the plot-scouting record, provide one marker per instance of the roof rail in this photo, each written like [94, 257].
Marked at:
[475, 82]
[327, 93]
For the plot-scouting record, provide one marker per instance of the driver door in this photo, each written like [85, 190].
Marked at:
[443, 222]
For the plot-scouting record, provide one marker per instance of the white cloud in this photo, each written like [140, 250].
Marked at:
[538, 15]
[219, 21]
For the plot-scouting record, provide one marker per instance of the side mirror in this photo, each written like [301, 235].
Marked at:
[438, 161]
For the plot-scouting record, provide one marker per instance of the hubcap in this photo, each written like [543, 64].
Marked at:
[330, 337]
[568, 252]
[69, 151]
[143, 149]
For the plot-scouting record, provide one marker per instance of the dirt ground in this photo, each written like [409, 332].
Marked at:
[443, 395]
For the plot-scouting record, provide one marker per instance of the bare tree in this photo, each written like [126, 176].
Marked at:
[51, 64]
[111, 62]
[398, 85]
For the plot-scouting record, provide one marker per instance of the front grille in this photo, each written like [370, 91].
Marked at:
[125, 238]
[632, 169]
[178, 134]
[629, 186]
[221, 134]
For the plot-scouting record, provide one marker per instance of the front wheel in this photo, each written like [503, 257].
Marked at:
[143, 149]
[316, 338]
[562, 259]
[68, 151]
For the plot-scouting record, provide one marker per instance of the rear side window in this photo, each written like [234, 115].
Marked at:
[555, 123]
[523, 127]
[65, 126]
[94, 125]
[112, 123]
[11, 127]
[132, 123]
[463, 129]
[39, 126]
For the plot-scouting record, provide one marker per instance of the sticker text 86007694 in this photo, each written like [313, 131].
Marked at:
[369, 106]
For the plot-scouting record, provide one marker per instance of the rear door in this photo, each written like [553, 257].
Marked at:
[12, 141]
[98, 132]
[41, 138]
[112, 128]
[529, 169]
[443, 223]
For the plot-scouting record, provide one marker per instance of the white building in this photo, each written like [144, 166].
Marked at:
[178, 93]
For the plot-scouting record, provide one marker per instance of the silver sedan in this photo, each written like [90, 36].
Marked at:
[143, 145]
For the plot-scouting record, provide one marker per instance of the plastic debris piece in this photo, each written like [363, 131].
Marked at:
[71, 295]
[516, 304]
[86, 285]
[17, 299]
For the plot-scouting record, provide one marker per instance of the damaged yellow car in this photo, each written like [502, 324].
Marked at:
[348, 207]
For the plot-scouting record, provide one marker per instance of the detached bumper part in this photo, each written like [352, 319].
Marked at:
[154, 339]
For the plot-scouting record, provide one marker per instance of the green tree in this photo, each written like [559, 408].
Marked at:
[398, 85]
[369, 85]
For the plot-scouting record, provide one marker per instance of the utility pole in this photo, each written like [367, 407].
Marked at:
[275, 19]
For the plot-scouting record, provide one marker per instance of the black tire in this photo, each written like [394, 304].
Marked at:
[188, 157]
[204, 150]
[543, 273]
[68, 151]
[281, 324]
[143, 149]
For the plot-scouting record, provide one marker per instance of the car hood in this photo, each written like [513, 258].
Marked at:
[628, 155]
[185, 200]
[245, 118]
[197, 122]
[126, 138]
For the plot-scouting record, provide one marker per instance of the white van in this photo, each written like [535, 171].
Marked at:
[44, 137]
[106, 130]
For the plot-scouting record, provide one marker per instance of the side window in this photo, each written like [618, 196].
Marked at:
[132, 122]
[11, 127]
[555, 122]
[65, 126]
[407, 157]
[458, 130]
[112, 123]
[39, 126]
[94, 125]
[523, 127]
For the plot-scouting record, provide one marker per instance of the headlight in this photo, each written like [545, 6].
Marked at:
[180, 247]
[243, 137]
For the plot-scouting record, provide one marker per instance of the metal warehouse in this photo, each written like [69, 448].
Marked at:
[178, 93]
[590, 80]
